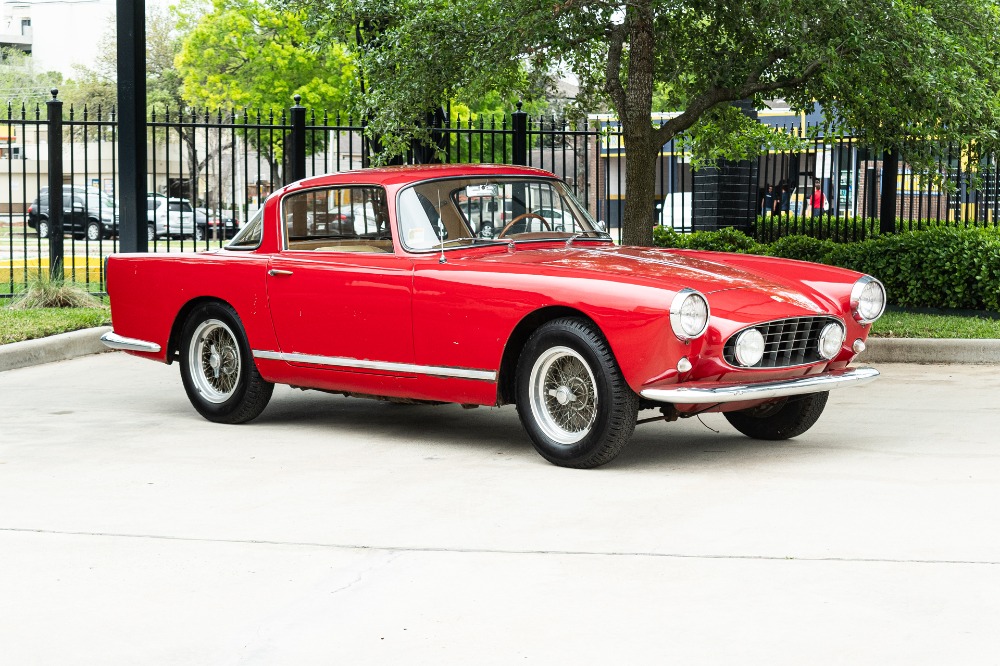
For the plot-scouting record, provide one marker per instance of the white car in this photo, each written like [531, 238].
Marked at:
[675, 211]
[171, 217]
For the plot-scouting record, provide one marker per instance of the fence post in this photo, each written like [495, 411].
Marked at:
[132, 165]
[890, 171]
[519, 140]
[297, 164]
[55, 128]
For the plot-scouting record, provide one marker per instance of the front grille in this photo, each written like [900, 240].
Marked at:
[787, 342]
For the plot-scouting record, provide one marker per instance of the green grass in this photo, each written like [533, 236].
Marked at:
[894, 324]
[18, 325]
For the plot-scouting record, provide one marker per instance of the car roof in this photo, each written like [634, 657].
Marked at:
[399, 175]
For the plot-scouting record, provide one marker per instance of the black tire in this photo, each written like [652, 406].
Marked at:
[571, 396]
[780, 420]
[199, 233]
[219, 374]
[95, 230]
[43, 227]
[150, 232]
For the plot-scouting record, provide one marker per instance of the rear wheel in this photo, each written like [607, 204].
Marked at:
[780, 420]
[43, 228]
[199, 233]
[571, 396]
[217, 368]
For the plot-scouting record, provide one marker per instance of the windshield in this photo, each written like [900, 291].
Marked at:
[457, 212]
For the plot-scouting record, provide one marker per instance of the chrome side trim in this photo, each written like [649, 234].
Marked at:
[702, 394]
[114, 341]
[359, 364]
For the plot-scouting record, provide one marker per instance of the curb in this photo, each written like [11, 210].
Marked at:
[53, 348]
[931, 350]
[880, 350]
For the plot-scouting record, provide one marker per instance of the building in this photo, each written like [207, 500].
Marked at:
[57, 33]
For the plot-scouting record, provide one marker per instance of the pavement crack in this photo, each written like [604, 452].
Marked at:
[496, 551]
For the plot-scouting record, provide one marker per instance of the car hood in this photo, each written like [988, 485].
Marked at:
[668, 269]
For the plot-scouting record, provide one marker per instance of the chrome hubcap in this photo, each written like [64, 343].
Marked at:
[214, 361]
[563, 395]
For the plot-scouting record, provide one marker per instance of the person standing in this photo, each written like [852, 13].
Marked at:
[768, 206]
[818, 200]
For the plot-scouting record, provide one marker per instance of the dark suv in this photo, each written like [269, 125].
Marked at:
[87, 212]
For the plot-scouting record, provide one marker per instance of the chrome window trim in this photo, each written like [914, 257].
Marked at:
[361, 364]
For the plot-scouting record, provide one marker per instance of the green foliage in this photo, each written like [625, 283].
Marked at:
[941, 267]
[898, 324]
[243, 53]
[18, 325]
[20, 83]
[894, 74]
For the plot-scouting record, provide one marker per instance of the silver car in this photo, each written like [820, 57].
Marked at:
[170, 217]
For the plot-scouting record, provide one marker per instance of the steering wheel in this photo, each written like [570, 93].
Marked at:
[520, 217]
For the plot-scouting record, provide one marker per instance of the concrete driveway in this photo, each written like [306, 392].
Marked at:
[345, 531]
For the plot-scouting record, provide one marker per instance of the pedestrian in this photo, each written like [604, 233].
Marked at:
[818, 200]
[780, 194]
[786, 195]
[768, 206]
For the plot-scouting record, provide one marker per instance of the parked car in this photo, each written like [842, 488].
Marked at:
[172, 217]
[215, 223]
[87, 213]
[675, 211]
[579, 333]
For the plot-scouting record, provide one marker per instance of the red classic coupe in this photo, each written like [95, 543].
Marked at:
[492, 285]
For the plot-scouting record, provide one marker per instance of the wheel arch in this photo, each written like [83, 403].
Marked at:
[174, 342]
[506, 388]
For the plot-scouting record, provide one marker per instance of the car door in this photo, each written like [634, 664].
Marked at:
[340, 299]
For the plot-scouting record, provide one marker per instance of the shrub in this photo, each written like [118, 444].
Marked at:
[43, 292]
[942, 267]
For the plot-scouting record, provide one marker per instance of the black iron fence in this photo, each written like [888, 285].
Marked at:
[208, 172]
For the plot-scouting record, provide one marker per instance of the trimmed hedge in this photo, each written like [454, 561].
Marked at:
[939, 268]
[841, 229]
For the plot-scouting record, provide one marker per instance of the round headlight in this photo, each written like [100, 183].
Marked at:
[867, 299]
[688, 314]
[749, 347]
[831, 341]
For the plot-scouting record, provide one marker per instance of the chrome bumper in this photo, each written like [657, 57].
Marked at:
[701, 394]
[114, 341]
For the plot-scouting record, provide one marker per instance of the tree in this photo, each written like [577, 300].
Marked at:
[244, 54]
[910, 74]
[20, 84]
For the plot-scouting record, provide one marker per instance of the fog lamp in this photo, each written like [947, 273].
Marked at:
[749, 347]
[831, 341]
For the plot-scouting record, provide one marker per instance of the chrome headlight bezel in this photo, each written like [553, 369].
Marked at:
[864, 286]
[754, 339]
[679, 316]
[821, 343]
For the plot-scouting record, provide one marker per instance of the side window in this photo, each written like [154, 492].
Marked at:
[337, 219]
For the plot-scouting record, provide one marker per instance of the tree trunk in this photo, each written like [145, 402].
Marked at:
[637, 128]
[640, 188]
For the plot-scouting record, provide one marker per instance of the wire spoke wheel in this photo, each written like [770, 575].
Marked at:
[214, 361]
[563, 395]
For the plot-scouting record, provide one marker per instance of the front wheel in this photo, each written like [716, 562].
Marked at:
[217, 368]
[150, 232]
[780, 420]
[571, 396]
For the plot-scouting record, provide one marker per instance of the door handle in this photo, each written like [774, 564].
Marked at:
[277, 271]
